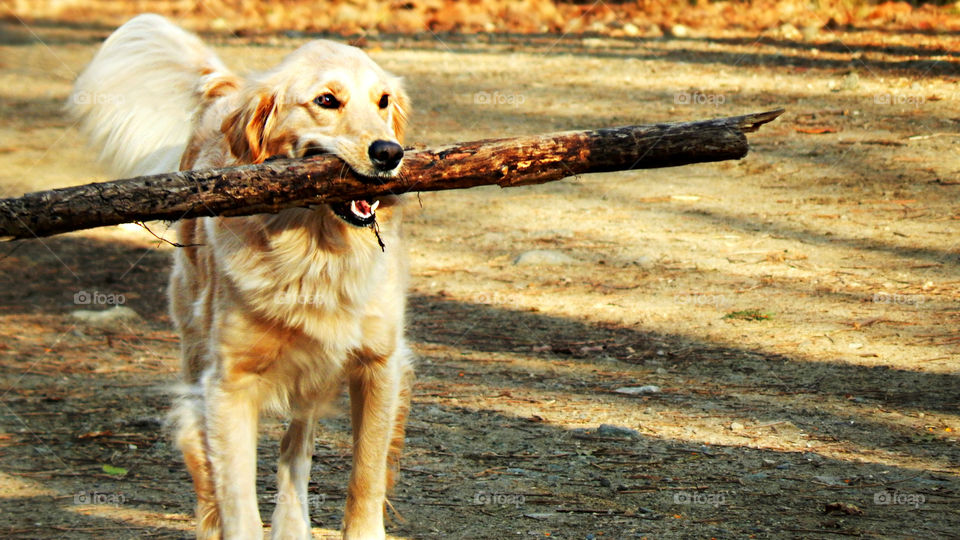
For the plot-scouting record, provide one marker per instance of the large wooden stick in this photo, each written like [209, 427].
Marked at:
[286, 183]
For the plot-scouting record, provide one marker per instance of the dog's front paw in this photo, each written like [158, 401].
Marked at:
[363, 519]
[353, 534]
[289, 523]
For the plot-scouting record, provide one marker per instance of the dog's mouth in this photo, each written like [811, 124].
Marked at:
[359, 213]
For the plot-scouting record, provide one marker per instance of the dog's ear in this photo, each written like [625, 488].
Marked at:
[248, 128]
[400, 113]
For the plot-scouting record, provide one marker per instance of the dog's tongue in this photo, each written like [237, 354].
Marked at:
[362, 209]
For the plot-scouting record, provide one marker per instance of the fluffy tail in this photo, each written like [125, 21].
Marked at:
[137, 98]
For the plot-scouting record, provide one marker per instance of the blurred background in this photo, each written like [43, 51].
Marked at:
[791, 18]
[615, 18]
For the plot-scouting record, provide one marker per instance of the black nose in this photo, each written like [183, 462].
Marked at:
[385, 155]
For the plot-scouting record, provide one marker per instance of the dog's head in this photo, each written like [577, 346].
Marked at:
[324, 97]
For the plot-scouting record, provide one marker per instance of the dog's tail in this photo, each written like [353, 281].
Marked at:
[137, 99]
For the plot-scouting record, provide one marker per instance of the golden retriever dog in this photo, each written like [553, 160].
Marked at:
[277, 312]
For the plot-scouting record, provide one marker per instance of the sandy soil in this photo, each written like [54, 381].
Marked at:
[796, 310]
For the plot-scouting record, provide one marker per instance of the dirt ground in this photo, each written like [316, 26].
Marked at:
[797, 310]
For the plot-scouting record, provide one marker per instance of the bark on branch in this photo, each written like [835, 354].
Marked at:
[286, 183]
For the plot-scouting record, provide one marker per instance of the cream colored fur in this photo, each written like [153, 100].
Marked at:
[276, 312]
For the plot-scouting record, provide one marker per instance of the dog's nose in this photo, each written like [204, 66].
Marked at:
[385, 155]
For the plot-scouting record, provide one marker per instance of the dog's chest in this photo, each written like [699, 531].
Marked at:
[325, 295]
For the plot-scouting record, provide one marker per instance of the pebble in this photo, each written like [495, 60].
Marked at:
[679, 31]
[828, 480]
[851, 81]
[544, 256]
[790, 32]
[644, 261]
[637, 390]
[107, 318]
[610, 430]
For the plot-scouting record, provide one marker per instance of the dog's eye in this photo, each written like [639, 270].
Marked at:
[327, 101]
[384, 101]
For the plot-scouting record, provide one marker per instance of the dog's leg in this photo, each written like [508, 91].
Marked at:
[400, 420]
[232, 413]
[291, 517]
[187, 414]
[191, 440]
[375, 386]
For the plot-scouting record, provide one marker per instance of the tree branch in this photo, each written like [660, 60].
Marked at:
[286, 183]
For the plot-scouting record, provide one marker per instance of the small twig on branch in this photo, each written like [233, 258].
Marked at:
[162, 240]
[285, 183]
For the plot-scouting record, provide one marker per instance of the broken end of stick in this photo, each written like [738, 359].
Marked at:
[751, 122]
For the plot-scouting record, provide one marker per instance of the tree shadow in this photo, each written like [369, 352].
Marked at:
[641, 48]
[466, 455]
[484, 332]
